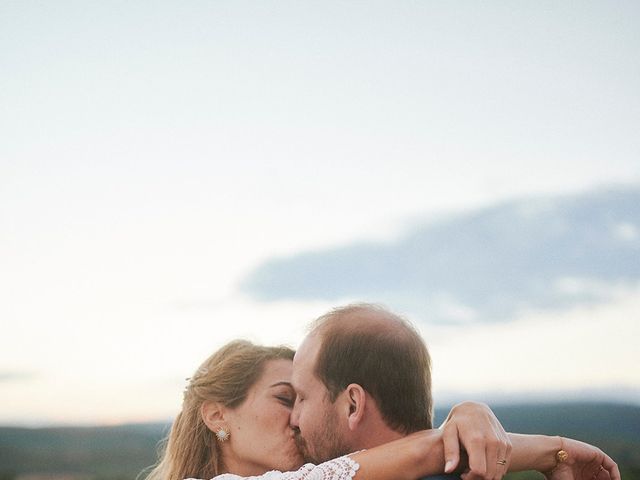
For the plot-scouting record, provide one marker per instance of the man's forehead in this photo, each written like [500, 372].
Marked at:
[305, 357]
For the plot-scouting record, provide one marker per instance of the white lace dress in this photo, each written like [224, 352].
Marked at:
[343, 468]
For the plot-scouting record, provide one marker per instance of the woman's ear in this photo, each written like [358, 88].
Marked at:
[212, 414]
[357, 399]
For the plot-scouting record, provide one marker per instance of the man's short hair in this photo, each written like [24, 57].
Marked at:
[384, 354]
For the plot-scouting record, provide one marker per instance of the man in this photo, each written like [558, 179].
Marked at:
[363, 378]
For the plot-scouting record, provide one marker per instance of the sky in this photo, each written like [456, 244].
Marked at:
[174, 175]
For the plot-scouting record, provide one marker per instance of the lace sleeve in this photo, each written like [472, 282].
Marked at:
[343, 468]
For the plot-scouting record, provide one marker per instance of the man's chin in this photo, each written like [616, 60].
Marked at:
[309, 458]
[313, 457]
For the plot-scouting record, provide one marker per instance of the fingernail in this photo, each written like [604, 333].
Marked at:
[448, 467]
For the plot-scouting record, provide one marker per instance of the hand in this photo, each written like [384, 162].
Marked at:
[475, 427]
[585, 462]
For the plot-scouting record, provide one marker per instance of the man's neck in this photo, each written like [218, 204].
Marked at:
[375, 434]
[380, 438]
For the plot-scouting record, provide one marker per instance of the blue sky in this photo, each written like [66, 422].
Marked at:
[157, 157]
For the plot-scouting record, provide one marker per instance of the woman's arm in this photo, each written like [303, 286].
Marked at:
[417, 455]
[534, 452]
[540, 452]
[422, 453]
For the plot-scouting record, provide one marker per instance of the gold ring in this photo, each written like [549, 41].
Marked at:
[502, 462]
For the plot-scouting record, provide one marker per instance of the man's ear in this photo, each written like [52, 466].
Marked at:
[356, 400]
[212, 414]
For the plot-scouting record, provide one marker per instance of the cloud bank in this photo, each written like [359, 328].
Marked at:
[486, 265]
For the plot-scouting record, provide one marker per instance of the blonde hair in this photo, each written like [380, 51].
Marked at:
[191, 449]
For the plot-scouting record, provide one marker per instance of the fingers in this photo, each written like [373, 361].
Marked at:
[488, 458]
[504, 458]
[451, 448]
[474, 428]
[476, 449]
[610, 466]
[601, 474]
[606, 468]
[492, 457]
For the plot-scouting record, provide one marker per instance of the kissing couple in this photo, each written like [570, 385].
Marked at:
[354, 402]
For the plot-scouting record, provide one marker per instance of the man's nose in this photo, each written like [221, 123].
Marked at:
[295, 415]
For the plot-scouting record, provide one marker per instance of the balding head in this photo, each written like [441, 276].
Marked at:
[383, 353]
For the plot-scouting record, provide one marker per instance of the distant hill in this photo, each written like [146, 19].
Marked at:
[118, 452]
[121, 452]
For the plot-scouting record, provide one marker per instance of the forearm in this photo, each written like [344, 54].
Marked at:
[415, 456]
[422, 454]
[533, 452]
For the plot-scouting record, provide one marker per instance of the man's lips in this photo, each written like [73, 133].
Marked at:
[300, 442]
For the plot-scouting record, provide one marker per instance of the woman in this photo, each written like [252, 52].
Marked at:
[195, 447]
[235, 423]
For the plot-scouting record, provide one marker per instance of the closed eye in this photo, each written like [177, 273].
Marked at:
[286, 401]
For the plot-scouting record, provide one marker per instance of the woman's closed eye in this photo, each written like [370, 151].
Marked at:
[286, 400]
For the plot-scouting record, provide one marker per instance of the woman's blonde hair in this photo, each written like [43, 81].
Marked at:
[191, 449]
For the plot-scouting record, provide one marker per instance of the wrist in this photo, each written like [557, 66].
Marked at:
[559, 457]
[557, 454]
[534, 452]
